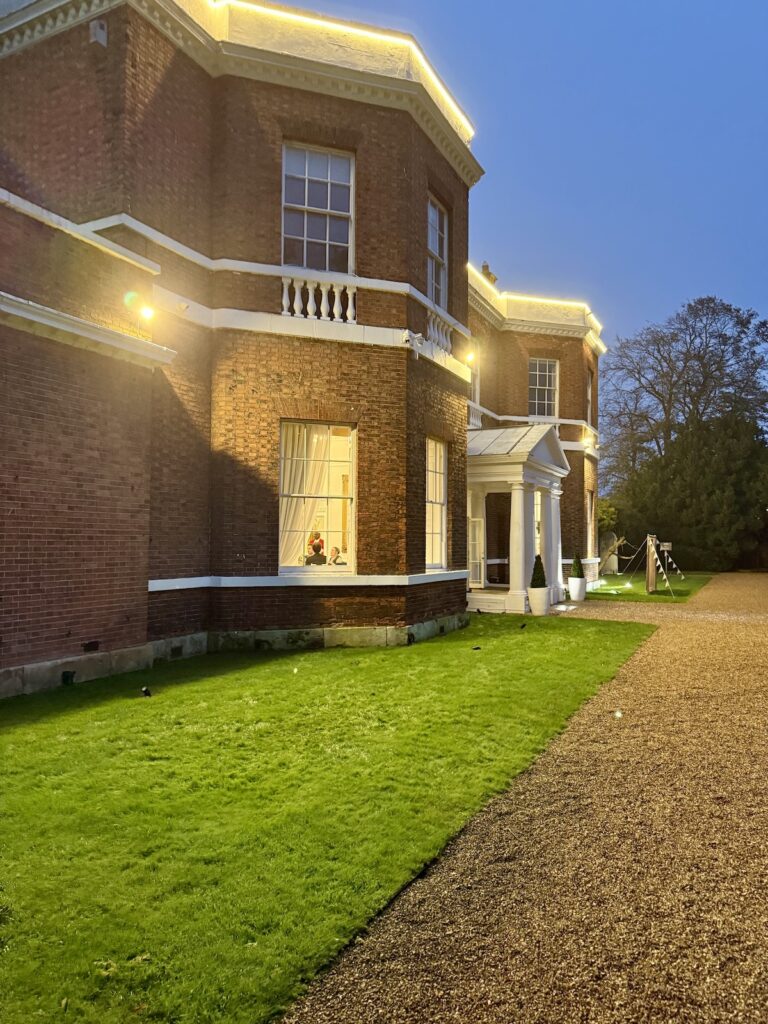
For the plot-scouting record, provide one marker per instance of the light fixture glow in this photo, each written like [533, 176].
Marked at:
[146, 313]
[470, 357]
[359, 30]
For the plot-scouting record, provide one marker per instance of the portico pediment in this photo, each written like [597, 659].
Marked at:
[523, 454]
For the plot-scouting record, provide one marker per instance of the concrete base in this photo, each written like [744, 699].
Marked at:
[47, 675]
[335, 636]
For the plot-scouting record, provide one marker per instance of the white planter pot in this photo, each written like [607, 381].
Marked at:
[538, 599]
[577, 588]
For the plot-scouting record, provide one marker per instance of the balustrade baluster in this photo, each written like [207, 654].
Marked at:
[351, 311]
[311, 305]
[298, 297]
[324, 306]
[286, 310]
[337, 302]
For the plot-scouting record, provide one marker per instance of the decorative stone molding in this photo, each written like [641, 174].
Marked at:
[305, 579]
[72, 330]
[209, 46]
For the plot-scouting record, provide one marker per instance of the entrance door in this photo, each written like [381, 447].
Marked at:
[476, 552]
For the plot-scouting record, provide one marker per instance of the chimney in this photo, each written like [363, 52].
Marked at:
[485, 270]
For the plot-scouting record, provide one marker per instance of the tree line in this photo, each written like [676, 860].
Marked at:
[684, 414]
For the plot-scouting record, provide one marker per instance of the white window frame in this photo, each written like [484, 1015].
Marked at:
[434, 443]
[351, 567]
[440, 260]
[556, 388]
[311, 209]
[590, 396]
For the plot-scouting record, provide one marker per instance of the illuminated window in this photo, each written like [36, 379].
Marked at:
[542, 387]
[317, 209]
[437, 502]
[437, 253]
[316, 497]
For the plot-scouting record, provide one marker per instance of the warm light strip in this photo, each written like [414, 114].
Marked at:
[342, 26]
[516, 296]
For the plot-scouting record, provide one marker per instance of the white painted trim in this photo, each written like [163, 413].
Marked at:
[371, 284]
[81, 232]
[306, 327]
[304, 580]
[58, 326]
[578, 446]
[554, 421]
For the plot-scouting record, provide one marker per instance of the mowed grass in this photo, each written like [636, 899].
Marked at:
[197, 856]
[632, 588]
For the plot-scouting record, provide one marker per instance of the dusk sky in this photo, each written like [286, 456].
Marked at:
[625, 144]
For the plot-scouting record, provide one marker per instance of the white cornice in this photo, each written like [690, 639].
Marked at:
[372, 284]
[533, 314]
[222, 56]
[73, 330]
[306, 327]
[318, 579]
[81, 232]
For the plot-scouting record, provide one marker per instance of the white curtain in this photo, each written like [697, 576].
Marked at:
[303, 487]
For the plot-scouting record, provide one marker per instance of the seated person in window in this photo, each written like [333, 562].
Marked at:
[317, 557]
[336, 558]
[315, 538]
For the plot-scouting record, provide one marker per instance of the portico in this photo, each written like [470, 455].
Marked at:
[528, 464]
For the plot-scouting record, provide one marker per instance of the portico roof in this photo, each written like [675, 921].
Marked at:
[537, 444]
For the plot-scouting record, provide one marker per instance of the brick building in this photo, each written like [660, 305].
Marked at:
[236, 333]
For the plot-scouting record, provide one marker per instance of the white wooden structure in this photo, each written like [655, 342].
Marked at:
[528, 463]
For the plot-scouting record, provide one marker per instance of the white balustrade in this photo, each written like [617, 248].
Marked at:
[439, 331]
[475, 417]
[300, 299]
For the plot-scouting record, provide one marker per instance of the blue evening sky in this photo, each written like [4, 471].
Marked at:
[625, 143]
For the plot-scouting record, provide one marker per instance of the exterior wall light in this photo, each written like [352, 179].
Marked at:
[146, 313]
[470, 357]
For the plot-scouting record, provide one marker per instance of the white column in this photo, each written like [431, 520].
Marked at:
[546, 541]
[557, 547]
[518, 563]
[529, 503]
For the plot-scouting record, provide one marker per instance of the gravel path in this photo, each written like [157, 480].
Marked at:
[624, 877]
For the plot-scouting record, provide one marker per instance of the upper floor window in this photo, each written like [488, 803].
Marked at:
[437, 253]
[316, 497]
[590, 399]
[542, 387]
[317, 209]
[437, 504]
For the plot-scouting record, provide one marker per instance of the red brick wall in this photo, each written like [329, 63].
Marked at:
[74, 486]
[60, 106]
[259, 379]
[180, 453]
[47, 266]
[437, 407]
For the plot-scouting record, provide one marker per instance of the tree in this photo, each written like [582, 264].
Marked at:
[707, 361]
[707, 493]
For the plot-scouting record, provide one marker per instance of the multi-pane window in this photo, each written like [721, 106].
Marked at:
[317, 209]
[542, 387]
[437, 253]
[316, 496]
[437, 501]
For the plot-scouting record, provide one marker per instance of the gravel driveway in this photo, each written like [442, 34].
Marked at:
[624, 877]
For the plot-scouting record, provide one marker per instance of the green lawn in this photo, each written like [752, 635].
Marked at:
[632, 588]
[197, 856]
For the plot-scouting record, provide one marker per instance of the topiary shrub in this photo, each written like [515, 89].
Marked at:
[577, 569]
[538, 577]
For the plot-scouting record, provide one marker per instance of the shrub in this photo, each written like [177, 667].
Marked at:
[577, 569]
[538, 577]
